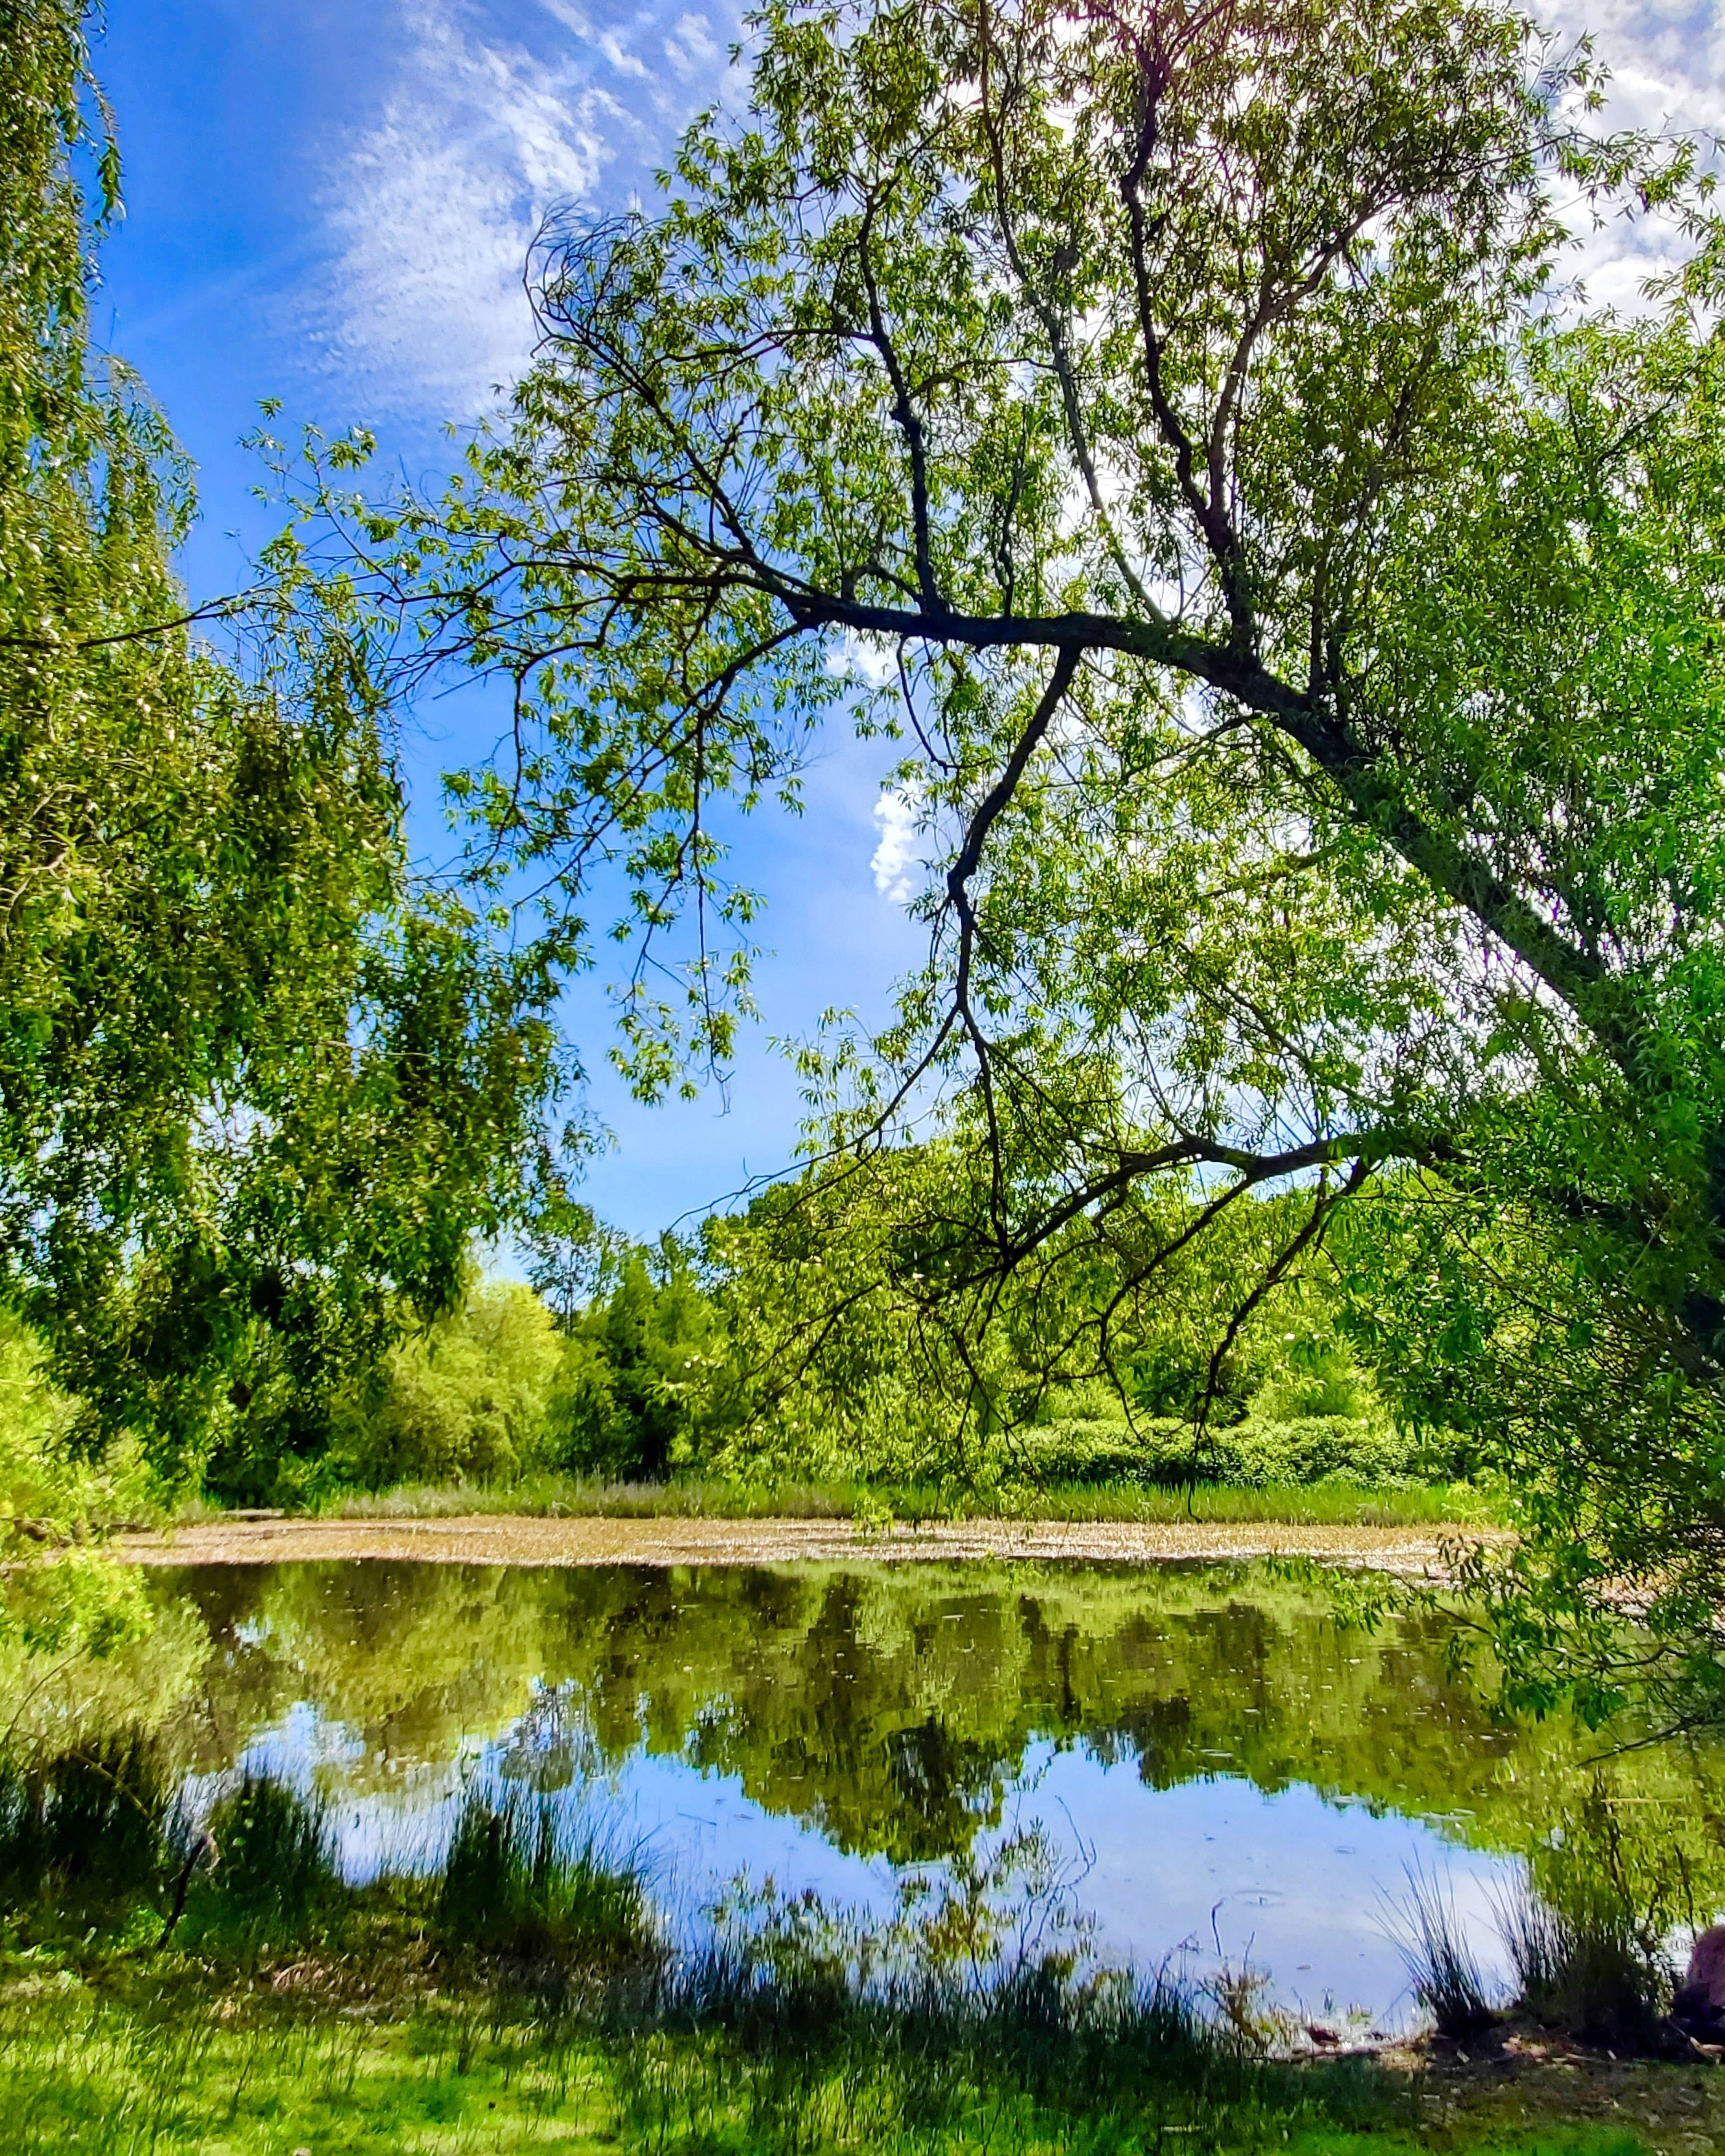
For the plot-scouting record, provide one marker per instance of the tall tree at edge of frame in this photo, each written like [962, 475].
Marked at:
[1302, 609]
[258, 1093]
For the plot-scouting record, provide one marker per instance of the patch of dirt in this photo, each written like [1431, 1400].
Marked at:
[1529, 2079]
[501, 1538]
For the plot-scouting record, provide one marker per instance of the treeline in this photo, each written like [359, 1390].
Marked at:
[633, 1387]
[739, 1354]
[798, 1342]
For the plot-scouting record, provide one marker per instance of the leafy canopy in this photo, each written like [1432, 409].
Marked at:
[1300, 608]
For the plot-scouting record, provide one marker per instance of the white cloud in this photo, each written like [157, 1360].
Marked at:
[691, 46]
[1667, 62]
[493, 114]
[433, 206]
[620, 58]
[1667, 67]
[895, 858]
[434, 210]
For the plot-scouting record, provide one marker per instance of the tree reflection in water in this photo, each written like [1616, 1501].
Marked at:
[890, 1715]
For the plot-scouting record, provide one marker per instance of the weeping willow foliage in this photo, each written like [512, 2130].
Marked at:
[1299, 607]
[257, 1091]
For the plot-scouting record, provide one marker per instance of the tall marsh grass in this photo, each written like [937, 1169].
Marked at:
[1593, 1966]
[1432, 1938]
[83, 1835]
[265, 1876]
[526, 1881]
[1585, 1944]
[1322, 1504]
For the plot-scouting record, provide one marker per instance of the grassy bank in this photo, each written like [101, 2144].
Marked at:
[1322, 1504]
[182, 2065]
[210, 1988]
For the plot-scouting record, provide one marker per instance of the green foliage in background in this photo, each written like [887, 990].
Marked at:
[837, 1357]
[467, 1398]
[492, 1392]
[641, 1386]
[690, 1363]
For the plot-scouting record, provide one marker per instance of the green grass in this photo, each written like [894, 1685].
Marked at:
[171, 2064]
[178, 2075]
[524, 2000]
[1322, 1504]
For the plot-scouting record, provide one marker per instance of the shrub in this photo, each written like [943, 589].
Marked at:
[1253, 1453]
[468, 1398]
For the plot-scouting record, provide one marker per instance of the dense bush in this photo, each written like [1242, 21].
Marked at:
[1257, 1453]
[466, 1399]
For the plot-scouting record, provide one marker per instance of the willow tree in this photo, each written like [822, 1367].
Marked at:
[1302, 609]
[257, 1090]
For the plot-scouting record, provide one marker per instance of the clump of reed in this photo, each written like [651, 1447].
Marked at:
[532, 1886]
[1585, 1923]
[1432, 1938]
[83, 1835]
[1583, 1934]
[1587, 1969]
[260, 1873]
[94, 1841]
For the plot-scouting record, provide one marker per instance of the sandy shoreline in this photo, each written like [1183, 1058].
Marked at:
[503, 1539]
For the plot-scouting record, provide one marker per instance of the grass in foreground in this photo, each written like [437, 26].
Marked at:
[186, 2068]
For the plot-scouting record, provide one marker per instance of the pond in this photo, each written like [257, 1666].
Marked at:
[1227, 1770]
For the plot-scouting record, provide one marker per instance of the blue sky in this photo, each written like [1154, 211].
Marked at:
[329, 203]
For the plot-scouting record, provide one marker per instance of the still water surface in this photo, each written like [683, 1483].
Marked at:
[1224, 1766]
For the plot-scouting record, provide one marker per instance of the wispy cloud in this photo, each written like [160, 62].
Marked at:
[432, 208]
[691, 48]
[1667, 60]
